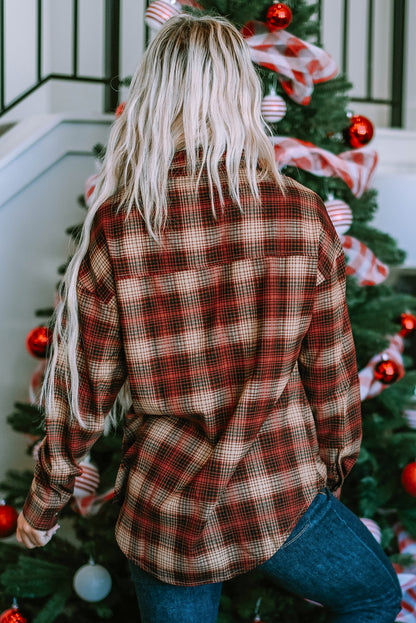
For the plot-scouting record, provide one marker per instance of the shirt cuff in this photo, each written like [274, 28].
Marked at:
[37, 515]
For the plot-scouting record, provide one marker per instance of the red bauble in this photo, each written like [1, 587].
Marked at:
[408, 322]
[409, 478]
[12, 615]
[8, 520]
[279, 16]
[38, 341]
[360, 132]
[386, 371]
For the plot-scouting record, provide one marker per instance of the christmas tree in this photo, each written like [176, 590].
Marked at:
[320, 144]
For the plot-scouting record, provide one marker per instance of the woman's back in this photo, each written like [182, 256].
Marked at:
[212, 320]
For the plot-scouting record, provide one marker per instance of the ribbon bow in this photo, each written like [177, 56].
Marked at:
[362, 263]
[355, 167]
[299, 64]
[406, 575]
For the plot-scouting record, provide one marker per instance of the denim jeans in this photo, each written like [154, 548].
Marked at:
[330, 558]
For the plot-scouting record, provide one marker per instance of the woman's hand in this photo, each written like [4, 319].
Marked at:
[30, 536]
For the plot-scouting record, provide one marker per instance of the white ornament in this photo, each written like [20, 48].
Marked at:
[373, 527]
[159, 11]
[87, 483]
[92, 582]
[273, 107]
[340, 215]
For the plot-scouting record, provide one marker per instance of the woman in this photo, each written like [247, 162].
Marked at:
[216, 289]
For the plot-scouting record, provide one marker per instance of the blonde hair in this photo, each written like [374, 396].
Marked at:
[196, 89]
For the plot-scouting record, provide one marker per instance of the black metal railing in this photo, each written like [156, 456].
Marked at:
[395, 100]
[111, 78]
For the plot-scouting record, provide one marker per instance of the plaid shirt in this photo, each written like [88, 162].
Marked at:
[235, 337]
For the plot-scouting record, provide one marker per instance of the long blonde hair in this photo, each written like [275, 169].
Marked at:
[196, 89]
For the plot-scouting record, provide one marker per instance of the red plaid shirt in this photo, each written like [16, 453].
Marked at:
[234, 335]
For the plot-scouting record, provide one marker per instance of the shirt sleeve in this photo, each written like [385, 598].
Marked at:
[327, 365]
[102, 372]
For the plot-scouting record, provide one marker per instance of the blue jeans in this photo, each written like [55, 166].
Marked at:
[330, 557]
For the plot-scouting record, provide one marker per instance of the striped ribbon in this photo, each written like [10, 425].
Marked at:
[299, 64]
[90, 504]
[355, 168]
[87, 482]
[362, 263]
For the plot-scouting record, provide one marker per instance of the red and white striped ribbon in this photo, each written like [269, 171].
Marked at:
[87, 482]
[408, 612]
[407, 545]
[408, 585]
[362, 263]
[355, 167]
[299, 64]
[90, 505]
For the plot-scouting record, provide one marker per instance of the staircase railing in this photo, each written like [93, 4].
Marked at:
[395, 100]
[111, 78]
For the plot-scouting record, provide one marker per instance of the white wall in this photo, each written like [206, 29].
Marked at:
[33, 244]
[395, 180]
[55, 162]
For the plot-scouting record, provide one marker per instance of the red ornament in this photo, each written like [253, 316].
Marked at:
[409, 478]
[386, 371]
[8, 520]
[408, 322]
[279, 16]
[120, 109]
[12, 615]
[360, 131]
[38, 341]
